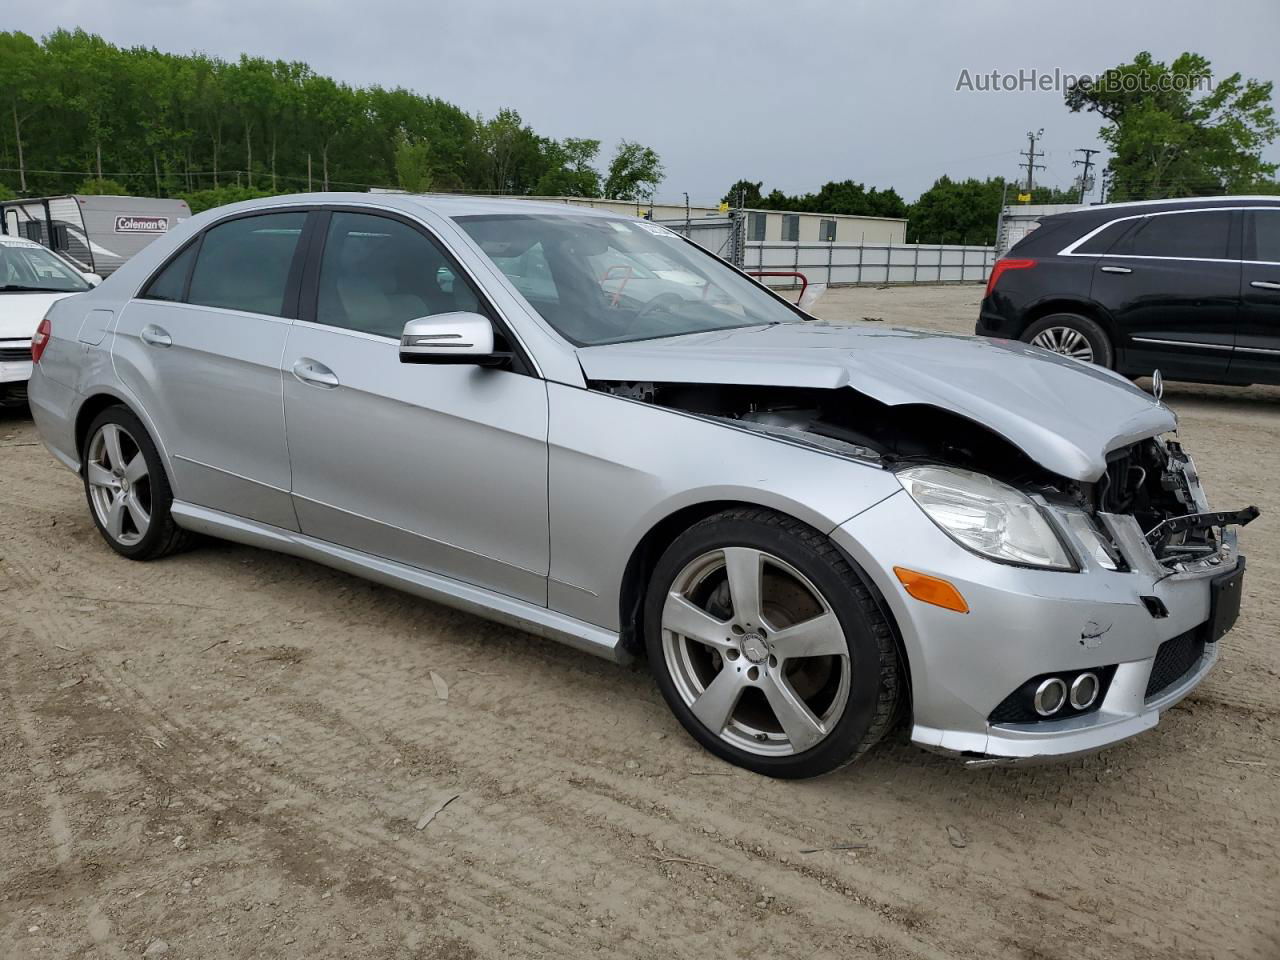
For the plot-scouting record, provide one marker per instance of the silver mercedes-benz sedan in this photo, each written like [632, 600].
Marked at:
[590, 428]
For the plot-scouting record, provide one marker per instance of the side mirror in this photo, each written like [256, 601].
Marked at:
[92, 279]
[448, 338]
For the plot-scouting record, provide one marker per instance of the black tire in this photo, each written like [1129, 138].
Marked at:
[162, 536]
[874, 670]
[1104, 354]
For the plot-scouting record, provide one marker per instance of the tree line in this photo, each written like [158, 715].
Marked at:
[79, 114]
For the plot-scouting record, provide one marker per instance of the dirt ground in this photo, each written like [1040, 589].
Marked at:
[227, 755]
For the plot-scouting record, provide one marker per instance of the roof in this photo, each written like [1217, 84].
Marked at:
[1172, 204]
[7, 241]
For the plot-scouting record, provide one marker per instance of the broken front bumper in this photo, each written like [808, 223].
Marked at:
[1023, 623]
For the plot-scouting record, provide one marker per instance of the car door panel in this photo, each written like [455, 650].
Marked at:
[215, 396]
[1257, 356]
[440, 466]
[1175, 313]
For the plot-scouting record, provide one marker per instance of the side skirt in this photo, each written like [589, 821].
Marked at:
[452, 593]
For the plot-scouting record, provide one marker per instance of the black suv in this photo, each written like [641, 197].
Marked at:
[1191, 287]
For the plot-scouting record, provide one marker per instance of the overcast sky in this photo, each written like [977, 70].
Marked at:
[793, 93]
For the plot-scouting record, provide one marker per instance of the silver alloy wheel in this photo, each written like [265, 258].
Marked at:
[1065, 340]
[119, 484]
[755, 651]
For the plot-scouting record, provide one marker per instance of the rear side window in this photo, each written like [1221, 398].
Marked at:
[377, 274]
[244, 264]
[1105, 239]
[1266, 235]
[1196, 235]
[171, 282]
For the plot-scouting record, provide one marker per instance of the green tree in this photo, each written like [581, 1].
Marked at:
[97, 187]
[569, 171]
[22, 87]
[634, 173]
[1172, 136]
[413, 165]
[744, 193]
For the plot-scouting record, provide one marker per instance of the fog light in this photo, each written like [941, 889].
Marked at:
[1050, 696]
[1084, 690]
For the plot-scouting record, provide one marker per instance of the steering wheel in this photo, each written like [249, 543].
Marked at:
[662, 301]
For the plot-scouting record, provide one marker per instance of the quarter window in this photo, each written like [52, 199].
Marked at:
[1196, 235]
[377, 274]
[244, 264]
[1103, 241]
[171, 282]
[1266, 235]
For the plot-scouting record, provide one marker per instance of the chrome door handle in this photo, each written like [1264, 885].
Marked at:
[315, 373]
[1265, 284]
[155, 336]
[1110, 269]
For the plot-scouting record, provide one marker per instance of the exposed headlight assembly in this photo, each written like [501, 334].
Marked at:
[986, 516]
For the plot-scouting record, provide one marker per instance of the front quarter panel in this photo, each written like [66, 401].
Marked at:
[618, 467]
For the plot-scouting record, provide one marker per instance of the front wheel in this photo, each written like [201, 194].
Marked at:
[768, 647]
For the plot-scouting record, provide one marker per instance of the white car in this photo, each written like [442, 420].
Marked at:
[32, 278]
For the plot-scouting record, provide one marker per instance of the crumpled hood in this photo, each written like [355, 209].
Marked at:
[21, 312]
[1065, 415]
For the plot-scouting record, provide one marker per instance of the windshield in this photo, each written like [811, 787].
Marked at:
[599, 280]
[24, 268]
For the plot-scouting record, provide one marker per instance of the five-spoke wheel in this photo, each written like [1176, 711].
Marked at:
[119, 484]
[768, 646]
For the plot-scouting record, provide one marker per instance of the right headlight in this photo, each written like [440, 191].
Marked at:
[986, 516]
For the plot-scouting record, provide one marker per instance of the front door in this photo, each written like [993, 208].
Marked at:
[200, 349]
[1257, 356]
[440, 467]
[1172, 285]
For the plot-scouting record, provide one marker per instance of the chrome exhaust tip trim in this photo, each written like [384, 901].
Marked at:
[1050, 696]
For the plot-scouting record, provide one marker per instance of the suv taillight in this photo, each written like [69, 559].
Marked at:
[41, 339]
[1003, 265]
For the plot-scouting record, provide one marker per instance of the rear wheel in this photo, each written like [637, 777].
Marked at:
[1072, 335]
[768, 647]
[127, 489]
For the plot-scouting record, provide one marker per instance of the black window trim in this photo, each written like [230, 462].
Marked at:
[1235, 249]
[289, 305]
[1250, 248]
[309, 293]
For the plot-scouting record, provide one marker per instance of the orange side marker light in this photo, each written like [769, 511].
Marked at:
[932, 590]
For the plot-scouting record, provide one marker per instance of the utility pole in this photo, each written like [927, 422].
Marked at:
[1031, 155]
[1087, 163]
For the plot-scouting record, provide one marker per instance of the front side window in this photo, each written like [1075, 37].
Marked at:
[377, 274]
[1266, 235]
[1196, 235]
[25, 269]
[243, 264]
[600, 280]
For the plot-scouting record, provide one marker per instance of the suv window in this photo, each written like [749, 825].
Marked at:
[171, 282]
[1102, 241]
[377, 274]
[244, 264]
[1196, 235]
[1266, 235]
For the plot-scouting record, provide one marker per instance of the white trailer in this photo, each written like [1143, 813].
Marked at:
[96, 233]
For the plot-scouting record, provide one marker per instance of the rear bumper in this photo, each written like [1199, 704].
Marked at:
[1023, 623]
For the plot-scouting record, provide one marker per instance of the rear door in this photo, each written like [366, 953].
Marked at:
[1172, 285]
[443, 467]
[1257, 355]
[201, 351]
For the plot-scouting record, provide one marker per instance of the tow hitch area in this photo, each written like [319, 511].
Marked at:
[1199, 521]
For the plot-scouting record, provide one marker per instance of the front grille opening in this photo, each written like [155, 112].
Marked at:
[1174, 660]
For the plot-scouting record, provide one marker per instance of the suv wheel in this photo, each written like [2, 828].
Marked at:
[126, 486]
[1071, 335]
[768, 647]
